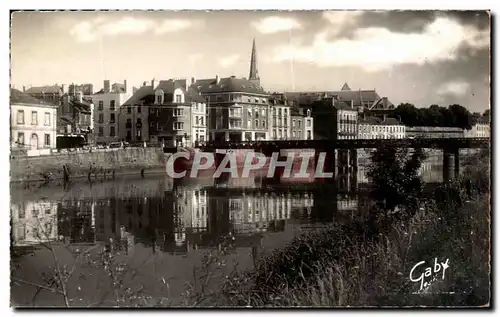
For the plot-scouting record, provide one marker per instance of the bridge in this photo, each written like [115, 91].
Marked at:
[430, 143]
[341, 155]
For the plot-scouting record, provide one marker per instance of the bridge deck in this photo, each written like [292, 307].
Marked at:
[441, 143]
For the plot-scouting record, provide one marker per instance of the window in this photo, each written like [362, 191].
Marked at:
[20, 116]
[112, 105]
[178, 98]
[101, 105]
[159, 99]
[178, 112]
[20, 138]
[201, 120]
[234, 124]
[128, 125]
[101, 118]
[197, 120]
[308, 123]
[101, 131]
[293, 133]
[263, 111]
[178, 125]
[285, 121]
[112, 131]
[138, 109]
[299, 123]
[274, 133]
[293, 123]
[308, 134]
[129, 136]
[34, 117]
[279, 112]
[256, 123]
[263, 123]
[47, 139]
[274, 111]
[129, 109]
[257, 113]
[47, 118]
[286, 112]
[112, 118]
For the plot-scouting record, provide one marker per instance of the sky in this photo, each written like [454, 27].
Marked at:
[420, 57]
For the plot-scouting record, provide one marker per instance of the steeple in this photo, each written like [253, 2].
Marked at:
[254, 72]
[346, 87]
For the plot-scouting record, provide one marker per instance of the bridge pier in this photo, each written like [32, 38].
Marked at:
[448, 172]
[343, 170]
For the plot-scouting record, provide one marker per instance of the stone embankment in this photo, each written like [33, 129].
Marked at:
[95, 164]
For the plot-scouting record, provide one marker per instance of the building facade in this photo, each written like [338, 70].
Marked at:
[75, 120]
[302, 124]
[434, 132]
[238, 109]
[376, 128]
[33, 123]
[107, 103]
[481, 129]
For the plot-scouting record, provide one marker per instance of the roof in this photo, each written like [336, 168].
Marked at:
[115, 88]
[139, 95]
[228, 84]
[379, 121]
[342, 105]
[359, 97]
[17, 96]
[45, 90]
[146, 93]
[382, 104]
[345, 87]
[483, 120]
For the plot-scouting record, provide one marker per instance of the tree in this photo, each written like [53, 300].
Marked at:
[486, 113]
[394, 174]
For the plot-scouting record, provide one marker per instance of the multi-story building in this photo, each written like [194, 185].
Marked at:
[377, 128]
[49, 94]
[302, 124]
[281, 118]
[176, 114]
[107, 103]
[238, 108]
[33, 123]
[75, 119]
[481, 129]
[335, 119]
[86, 90]
[434, 132]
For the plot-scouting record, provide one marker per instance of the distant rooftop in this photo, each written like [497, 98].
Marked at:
[17, 97]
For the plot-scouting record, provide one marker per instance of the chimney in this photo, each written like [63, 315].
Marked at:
[193, 80]
[352, 104]
[144, 84]
[217, 79]
[126, 86]
[187, 83]
[79, 96]
[64, 89]
[333, 101]
[153, 83]
[106, 86]
[24, 88]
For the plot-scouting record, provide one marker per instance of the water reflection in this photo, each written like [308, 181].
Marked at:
[186, 217]
[177, 216]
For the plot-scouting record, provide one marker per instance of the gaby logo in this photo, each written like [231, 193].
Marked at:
[252, 161]
[427, 275]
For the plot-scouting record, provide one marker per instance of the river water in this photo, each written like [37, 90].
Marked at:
[163, 229]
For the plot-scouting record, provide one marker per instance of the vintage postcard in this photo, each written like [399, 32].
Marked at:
[250, 159]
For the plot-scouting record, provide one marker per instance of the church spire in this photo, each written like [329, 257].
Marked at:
[346, 87]
[254, 72]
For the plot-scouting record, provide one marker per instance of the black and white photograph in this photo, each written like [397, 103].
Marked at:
[250, 159]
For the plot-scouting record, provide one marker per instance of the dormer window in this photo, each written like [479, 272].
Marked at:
[308, 112]
[178, 98]
[159, 97]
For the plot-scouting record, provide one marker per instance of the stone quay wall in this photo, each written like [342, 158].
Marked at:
[101, 162]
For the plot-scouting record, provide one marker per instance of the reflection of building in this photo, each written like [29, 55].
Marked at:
[33, 123]
[34, 222]
[76, 221]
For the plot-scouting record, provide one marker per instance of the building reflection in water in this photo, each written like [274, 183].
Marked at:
[185, 218]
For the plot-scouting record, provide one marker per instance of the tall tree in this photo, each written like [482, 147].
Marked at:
[394, 174]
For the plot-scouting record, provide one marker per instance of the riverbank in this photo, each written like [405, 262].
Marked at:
[95, 165]
[346, 266]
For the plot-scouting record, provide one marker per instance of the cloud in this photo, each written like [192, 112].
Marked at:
[275, 24]
[375, 48]
[229, 60]
[456, 88]
[341, 19]
[88, 31]
[194, 58]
